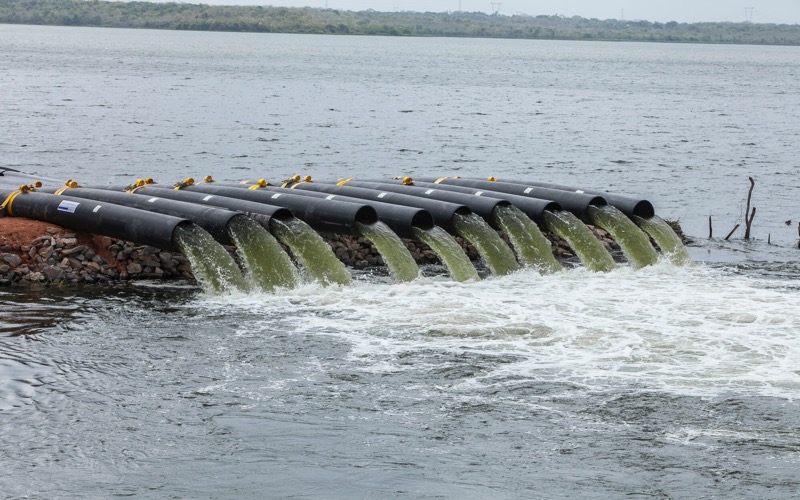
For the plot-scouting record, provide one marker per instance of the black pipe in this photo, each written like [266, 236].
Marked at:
[626, 204]
[532, 207]
[483, 206]
[212, 219]
[441, 211]
[125, 223]
[321, 214]
[577, 203]
[259, 212]
[399, 218]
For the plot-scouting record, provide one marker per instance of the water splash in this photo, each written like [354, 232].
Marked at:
[212, 265]
[669, 242]
[533, 249]
[498, 256]
[449, 251]
[311, 250]
[397, 257]
[268, 265]
[633, 241]
[591, 252]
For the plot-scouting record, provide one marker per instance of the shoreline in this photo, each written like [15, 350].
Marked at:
[325, 21]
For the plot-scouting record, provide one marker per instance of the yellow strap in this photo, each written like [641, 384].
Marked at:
[344, 181]
[6, 205]
[254, 187]
[61, 190]
[180, 185]
[133, 190]
[439, 181]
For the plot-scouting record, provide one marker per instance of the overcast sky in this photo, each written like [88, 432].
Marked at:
[763, 11]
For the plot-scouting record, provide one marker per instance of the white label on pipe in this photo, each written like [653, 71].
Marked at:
[330, 197]
[478, 193]
[429, 191]
[68, 206]
[528, 190]
[208, 197]
[382, 195]
[152, 200]
[96, 208]
[579, 191]
[276, 195]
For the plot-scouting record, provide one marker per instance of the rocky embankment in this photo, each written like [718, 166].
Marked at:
[37, 252]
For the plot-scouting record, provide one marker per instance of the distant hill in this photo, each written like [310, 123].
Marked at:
[182, 16]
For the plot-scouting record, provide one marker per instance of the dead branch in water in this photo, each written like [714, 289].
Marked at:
[748, 220]
[732, 231]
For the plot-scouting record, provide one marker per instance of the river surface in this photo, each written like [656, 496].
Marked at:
[663, 382]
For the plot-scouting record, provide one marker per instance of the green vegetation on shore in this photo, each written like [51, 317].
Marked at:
[183, 16]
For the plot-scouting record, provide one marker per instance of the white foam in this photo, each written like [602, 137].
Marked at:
[692, 330]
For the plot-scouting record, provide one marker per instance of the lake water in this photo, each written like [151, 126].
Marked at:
[659, 383]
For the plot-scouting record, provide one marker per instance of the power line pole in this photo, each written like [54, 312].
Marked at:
[748, 14]
[495, 7]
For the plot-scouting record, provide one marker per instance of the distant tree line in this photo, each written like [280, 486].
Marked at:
[267, 19]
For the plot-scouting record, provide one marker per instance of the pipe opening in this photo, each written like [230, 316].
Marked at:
[552, 207]
[283, 214]
[366, 215]
[422, 220]
[598, 201]
[644, 209]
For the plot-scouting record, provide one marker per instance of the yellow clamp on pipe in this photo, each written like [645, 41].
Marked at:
[70, 184]
[136, 185]
[291, 180]
[294, 181]
[344, 181]
[408, 181]
[6, 205]
[180, 185]
[208, 179]
[491, 179]
[259, 184]
[30, 187]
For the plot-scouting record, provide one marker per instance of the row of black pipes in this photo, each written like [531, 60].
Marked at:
[152, 214]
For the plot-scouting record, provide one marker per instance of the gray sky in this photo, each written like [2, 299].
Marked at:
[764, 11]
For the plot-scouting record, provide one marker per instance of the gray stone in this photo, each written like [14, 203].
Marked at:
[35, 277]
[53, 273]
[134, 268]
[149, 263]
[11, 259]
[73, 250]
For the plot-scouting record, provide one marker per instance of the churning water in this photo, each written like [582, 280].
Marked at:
[665, 382]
